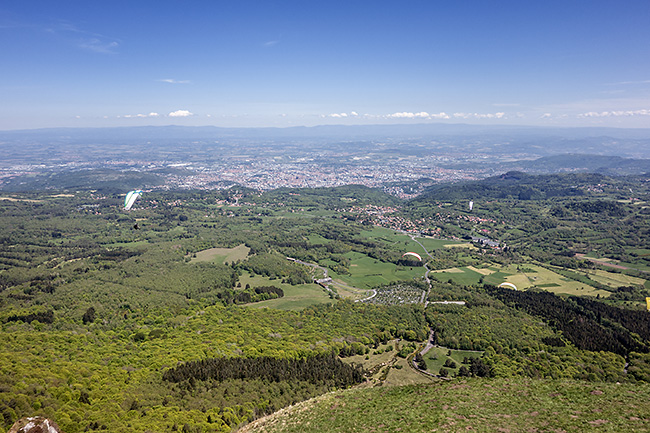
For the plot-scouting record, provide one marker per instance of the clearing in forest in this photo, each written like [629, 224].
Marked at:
[222, 255]
[296, 297]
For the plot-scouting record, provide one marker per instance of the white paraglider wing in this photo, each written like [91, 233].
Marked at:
[416, 255]
[131, 197]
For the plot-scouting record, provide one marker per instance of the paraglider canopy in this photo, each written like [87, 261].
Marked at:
[508, 285]
[131, 197]
[416, 255]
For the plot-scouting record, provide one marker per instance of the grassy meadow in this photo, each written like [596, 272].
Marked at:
[498, 405]
[533, 276]
[221, 255]
[366, 272]
[296, 297]
[437, 356]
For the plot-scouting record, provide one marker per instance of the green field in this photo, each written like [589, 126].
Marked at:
[403, 242]
[462, 275]
[316, 239]
[525, 277]
[615, 279]
[295, 297]
[366, 272]
[221, 255]
[437, 356]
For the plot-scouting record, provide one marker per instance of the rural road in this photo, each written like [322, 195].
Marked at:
[425, 295]
[332, 282]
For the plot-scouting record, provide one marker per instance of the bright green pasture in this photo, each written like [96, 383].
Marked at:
[366, 272]
[463, 275]
[222, 255]
[316, 239]
[403, 242]
[537, 276]
[523, 277]
[295, 297]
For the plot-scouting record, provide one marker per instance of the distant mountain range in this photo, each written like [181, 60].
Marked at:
[184, 143]
[517, 185]
[609, 165]
[324, 131]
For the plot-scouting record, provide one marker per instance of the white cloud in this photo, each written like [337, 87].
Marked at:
[134, 116]
[408, 115]
[180, 113]
[499, 115]
[172, 81]
[340, 115]
[627, 113]
[546, 116]
[420, 115]
[270, 43]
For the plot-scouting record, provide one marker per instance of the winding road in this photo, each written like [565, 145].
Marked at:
[326, 284]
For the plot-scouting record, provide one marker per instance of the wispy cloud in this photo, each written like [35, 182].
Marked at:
[625, 83]
[270, 43]
[99, 46]
[499, 115]
[627, 113]
[181, 113]
[421, 115]
[173, 81]
[135, 116]
[86, 40]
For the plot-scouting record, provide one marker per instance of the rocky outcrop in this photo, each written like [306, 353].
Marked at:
[36, 424]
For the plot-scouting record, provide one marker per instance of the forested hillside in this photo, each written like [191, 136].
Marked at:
[200, 311]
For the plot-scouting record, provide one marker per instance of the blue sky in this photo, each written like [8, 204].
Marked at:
[285, 63]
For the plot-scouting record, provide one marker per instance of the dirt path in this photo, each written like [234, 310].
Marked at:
[425, 295]
[602, 262]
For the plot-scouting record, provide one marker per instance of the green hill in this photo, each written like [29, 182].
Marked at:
[470, 405]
